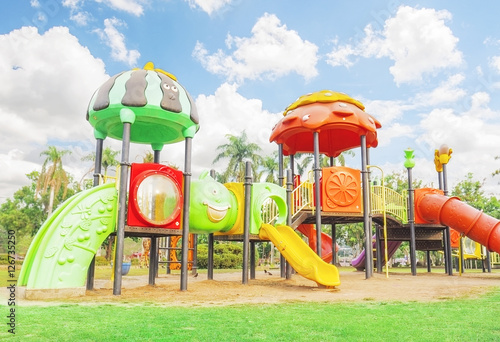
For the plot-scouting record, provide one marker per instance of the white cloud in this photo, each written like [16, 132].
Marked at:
[130, 6]
[387, 134]
[208, 6]
[81, 18]
[448, 91]
[72, 4]
[390, 114]
[386, 111]
[228, 112]
[417, 40]
[47, 81]
[473, 138]
[272, 51]
[14, 172]
[495, 63]
[116, 41]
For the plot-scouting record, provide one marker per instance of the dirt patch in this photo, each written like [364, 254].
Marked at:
[227, 289]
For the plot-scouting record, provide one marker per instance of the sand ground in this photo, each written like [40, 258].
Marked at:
[227, 289]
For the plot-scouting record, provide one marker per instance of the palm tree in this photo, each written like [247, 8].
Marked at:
[108, 160]
[308, 160]
[53, 175]
[148, 157]
[270, 167]
[238, 151]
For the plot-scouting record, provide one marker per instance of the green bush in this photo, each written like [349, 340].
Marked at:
[226, 255]
[4, 260]
[101, 261]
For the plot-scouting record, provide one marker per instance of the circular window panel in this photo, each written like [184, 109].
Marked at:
[157, 199]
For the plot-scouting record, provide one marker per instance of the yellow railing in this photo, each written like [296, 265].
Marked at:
[495, 258]
[395, 203]
[302, 197]
[269, 211]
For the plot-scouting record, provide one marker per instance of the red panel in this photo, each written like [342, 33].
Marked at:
[155, 196]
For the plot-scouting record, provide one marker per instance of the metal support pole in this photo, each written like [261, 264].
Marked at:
[445, 238]
[210, 261]
[97, 172]
[317, 192]
[281, 177]
[281, 181]
[461, 261]
[429, 261]
[246, 224]
[211, 242]
[168, 255]
[378, 249]
[122, 207]
[289, 189]
[153, 249]
[447, 253]
[98, 160]
[153, 260]
[411, 221]
[185, 214]
[252, 259]
[366, 211]
[334, 244]
[488, 261]
[370, 216]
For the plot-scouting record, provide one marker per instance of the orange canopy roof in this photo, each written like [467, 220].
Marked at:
[339, 119]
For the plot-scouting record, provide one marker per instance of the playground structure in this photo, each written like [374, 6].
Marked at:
[149, 106]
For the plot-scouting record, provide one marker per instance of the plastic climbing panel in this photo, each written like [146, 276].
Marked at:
[63, 248]
[341, 190]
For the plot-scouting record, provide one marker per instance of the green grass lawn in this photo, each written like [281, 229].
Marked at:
[450, 320]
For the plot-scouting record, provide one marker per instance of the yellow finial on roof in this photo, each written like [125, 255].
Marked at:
[151, 66]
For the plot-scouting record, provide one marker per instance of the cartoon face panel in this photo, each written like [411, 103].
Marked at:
[211, 206]
[170, 100]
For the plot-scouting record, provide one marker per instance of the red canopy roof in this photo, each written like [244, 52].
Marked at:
[339, 119]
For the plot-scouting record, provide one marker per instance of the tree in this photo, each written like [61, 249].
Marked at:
[108, 160]
[269, 167]
[496, 172]
[307, 161]
[148, 157]
[238, 151]
[398, 181]
[469, 191]
[24, 212]
[53, 176]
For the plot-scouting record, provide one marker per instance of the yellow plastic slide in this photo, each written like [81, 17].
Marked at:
[302, 258]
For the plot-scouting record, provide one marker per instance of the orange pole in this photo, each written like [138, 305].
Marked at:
[450, 211]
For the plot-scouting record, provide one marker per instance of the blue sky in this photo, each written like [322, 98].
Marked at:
[429, 71]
